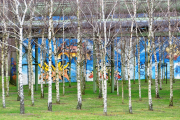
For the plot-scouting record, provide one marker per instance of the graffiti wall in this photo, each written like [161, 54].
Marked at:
[68, 61]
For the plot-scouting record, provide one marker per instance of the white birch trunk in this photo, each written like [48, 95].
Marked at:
[139, 75]
[3, 61]
[156, 70]
[17, 63]
[6, 60]
[42, 76]
[50, 57]
[128, 68]
[29, 66]
[129, 56]
[98, 76]
[21, 22]
[57, 70]
[171, 57]
[6, 37]
[32, 80]
[150, 12]
[78, 60]
[160, 80]
[104, 64]
[20, 72]
[2, 74]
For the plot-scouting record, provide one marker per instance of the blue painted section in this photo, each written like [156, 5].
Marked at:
[90, 61]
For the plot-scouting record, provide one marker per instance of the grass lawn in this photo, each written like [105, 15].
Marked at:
[92, 106]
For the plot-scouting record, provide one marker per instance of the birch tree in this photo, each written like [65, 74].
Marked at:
[171, 57]
[30, 65]
[57, 69]
[150, 37]
[156, 70]
[79, 104]
[139, 75]
[130, 52]
[16, 4]
[6, 37]
[42, 54]
[2, 72]
[104, 64]
[160, 80]
[50, 55]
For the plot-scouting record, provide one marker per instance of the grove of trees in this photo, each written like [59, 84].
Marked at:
[119, 29]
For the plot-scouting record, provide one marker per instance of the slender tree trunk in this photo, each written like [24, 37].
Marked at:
[30, 61]
[173, 50]
[94, 63]
[104, 64]
[84, 71]
[150, 37]
[32, 81]
[2, 73]
[98, 66]
[129, 79]
[160, 80]
[17, 66]
[99, 79]
[6, 59]
[149, 79]
[79, 105]
[42, 62]
[156, 70]
[29, 66]
[139, 75]
[50, 57]
[56, 70]
[134, 75]
[20, 72]
[171, 57]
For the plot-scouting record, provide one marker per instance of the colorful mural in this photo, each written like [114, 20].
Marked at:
[60, 74]
[13, 71]
[176, 53]
[70, 54]
[117, 75]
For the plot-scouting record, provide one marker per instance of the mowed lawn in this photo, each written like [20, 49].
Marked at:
[92, 106]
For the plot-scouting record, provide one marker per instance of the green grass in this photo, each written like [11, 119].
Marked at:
[92, 106]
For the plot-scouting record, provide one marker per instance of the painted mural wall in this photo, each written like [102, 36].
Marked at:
[70, 55]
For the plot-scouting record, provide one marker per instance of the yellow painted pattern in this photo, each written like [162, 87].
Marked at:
[60, 67]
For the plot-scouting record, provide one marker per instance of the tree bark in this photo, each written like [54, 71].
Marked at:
[171, 57]
[2, 73]
[42, 62]
[139, 75]
[150, 36]
[160, 80]
[104, 64]
[56, 70]
[79, 104]
[156, 70]
[94, 63]
[50, 57]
